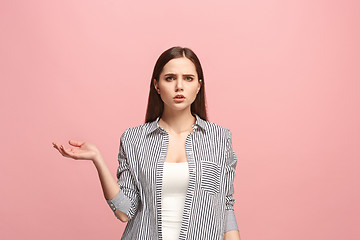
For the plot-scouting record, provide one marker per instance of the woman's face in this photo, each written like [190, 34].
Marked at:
[178, 76]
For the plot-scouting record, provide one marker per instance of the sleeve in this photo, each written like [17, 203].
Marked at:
[231, 161]
[127, 200]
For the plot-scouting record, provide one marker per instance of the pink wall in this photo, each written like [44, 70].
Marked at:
[287, 72]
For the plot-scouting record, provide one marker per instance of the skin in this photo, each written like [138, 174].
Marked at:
[88, 151]
[176, 118]
[178, 76]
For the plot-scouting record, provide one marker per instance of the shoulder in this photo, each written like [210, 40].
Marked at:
[135, 133]
[216, 129]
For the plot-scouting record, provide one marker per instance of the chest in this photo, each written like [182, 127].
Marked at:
[146, 157]
[176, 152]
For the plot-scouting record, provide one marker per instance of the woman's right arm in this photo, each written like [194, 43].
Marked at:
[88, 151]
[109, 185]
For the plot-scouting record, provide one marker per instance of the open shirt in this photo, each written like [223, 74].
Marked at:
[209, 202]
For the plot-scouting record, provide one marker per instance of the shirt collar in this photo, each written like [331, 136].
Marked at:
[155, 124]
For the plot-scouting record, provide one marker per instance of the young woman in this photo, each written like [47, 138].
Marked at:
[176, 171]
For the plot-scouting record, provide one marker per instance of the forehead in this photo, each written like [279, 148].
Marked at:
[179, 65]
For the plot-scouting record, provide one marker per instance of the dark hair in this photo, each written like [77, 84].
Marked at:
[155, 105]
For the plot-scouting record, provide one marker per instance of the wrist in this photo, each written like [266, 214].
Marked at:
[97, 158]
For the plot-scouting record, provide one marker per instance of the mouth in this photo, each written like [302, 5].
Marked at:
[179, 96]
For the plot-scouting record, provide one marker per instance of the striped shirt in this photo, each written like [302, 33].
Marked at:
[209, 203]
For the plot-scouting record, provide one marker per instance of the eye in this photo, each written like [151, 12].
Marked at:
[167, 79]
[189, 78]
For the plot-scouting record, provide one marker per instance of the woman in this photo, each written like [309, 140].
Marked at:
[176, 171]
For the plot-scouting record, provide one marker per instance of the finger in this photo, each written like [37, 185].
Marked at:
[75, 143]
[60, 150]
[56, 146]
[68, 153]
[64, 150]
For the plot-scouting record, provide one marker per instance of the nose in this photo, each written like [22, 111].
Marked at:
[179, 84]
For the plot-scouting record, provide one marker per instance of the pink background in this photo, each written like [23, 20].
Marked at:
[282, 75]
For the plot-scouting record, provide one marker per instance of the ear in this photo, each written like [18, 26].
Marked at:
[200, 81]
[155, 83]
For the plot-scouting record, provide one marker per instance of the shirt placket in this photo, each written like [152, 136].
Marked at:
[159, 175]
[191, 187]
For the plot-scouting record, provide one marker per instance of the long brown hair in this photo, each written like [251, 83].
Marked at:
[155, 105]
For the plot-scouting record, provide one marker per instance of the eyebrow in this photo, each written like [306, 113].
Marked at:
[173, 74]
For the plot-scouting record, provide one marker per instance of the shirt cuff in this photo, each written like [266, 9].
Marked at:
[120, 202]
[230, 223]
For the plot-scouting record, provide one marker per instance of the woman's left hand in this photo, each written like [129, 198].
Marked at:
[232, 235]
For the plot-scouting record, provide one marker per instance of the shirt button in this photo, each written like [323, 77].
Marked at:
[195, 127]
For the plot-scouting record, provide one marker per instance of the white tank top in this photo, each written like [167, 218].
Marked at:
[174, 187]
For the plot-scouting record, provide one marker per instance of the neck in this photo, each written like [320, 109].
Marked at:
[177, 122]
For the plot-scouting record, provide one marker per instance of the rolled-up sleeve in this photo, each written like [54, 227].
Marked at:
[231, 161]
[127, 200]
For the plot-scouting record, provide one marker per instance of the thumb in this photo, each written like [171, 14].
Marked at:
[75, 143]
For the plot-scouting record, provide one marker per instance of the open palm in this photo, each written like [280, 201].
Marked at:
[82, 150]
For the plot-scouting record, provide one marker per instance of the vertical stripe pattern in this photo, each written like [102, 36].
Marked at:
[208, 209]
